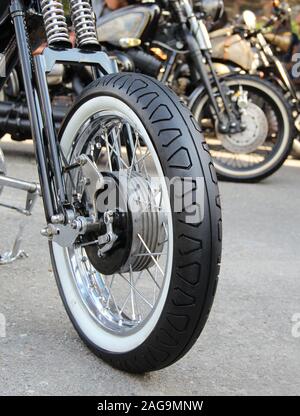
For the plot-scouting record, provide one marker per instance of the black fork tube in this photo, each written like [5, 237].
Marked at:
[198, 59]
[49, 126]
[35, 116]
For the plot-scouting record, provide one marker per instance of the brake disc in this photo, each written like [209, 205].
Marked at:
[252, 137]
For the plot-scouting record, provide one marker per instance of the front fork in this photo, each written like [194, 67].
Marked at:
[40, 123]
[48, 155]
[34, 71]
[197, 38]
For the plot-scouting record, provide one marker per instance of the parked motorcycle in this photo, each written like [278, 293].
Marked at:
[137, 273]
[244, 48]
[247, 123]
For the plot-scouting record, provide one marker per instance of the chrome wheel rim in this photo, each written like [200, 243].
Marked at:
[123, 303]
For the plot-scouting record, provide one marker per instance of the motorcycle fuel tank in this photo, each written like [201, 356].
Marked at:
[129, 25]
[229, 47]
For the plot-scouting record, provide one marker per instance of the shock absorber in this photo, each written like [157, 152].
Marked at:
[55, 23]
[84, 23]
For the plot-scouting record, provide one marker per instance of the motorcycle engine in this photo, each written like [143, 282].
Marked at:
[56, 75]
[12, 86]
[146, 63]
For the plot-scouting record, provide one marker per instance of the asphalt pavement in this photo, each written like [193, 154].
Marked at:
[250, 345]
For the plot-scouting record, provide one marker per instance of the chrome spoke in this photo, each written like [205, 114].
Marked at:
[135, 289]
[129, 294]
[108, 152]
[110, 286]
[132, 294]
[117, 153]
[155, 287]
[142, 159]
[111, 296]
[153, 258]
[131, 143]
[134, 166]
[167, 236]
[153, 278]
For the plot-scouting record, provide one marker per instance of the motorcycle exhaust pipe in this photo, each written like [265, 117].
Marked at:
[14, 120]
[10, 109]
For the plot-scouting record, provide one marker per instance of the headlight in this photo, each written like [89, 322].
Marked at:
[249, 19]
[211, 8]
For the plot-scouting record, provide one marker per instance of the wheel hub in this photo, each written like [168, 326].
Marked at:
[252, 137]
[137, 226]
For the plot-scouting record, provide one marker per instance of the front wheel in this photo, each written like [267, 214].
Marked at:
[259, 150]
[139, 286]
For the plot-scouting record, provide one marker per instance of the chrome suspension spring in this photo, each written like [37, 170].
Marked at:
[55, 23]
[84, 23]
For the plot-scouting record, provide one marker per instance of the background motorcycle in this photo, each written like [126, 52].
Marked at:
[246, 121]
[244, 48]
[137, 277]
[282, 42]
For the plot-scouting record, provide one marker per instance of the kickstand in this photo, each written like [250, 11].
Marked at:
[16, 252]
[33, 192]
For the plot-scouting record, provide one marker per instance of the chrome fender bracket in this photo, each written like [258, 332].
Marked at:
[66, 234]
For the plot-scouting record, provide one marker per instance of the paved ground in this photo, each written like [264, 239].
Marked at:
[247, 346]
